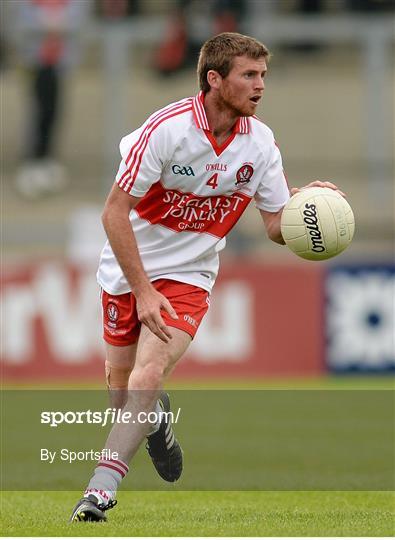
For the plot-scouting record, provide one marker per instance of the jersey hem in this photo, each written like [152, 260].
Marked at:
[180, 279]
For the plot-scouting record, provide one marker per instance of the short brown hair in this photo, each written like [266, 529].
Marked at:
[218, 53]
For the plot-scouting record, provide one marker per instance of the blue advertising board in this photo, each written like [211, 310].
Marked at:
[360, 321]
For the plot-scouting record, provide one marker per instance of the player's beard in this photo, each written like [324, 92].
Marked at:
[231, 102]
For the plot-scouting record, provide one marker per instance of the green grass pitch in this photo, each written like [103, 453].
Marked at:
[206, 514]
[213, 513]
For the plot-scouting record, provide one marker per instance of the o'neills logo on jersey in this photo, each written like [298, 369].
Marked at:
[188, 212]
[222, 167]
[244, 174]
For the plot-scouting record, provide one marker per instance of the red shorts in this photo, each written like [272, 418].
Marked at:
[122, 327]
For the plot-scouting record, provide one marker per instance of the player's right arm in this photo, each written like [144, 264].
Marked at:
[120, 234]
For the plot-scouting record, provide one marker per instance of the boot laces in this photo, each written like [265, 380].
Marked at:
[108, 506]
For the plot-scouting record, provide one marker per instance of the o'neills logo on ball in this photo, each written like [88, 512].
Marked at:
[311, 220]
[244, 174]
[112, 312]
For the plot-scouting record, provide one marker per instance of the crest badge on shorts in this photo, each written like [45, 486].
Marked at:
[244, 174]
[112, 312]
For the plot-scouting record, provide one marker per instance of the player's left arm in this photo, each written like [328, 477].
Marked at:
[272, 222]
[273, 193]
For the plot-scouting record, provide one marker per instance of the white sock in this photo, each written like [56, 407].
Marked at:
[106, 479]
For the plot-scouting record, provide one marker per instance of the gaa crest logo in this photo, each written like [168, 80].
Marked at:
[180, 169]
[244, 174]
[112, 312]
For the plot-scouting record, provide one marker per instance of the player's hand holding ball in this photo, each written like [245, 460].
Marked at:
[317, 223]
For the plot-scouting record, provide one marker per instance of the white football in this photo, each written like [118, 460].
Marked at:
[317, 223]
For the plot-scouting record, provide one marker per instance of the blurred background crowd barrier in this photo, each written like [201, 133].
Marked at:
[77, 75]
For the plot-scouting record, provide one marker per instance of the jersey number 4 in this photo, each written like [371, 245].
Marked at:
[213, 181]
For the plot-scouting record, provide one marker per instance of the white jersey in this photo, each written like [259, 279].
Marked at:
[192, 191]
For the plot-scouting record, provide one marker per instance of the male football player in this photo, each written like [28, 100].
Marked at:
[185, 178]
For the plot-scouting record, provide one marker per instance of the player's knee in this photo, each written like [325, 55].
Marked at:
[117, 375]
[154, 374]
[149, 376]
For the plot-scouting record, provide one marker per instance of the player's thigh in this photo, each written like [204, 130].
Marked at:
[121, 356]
[152, 350]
